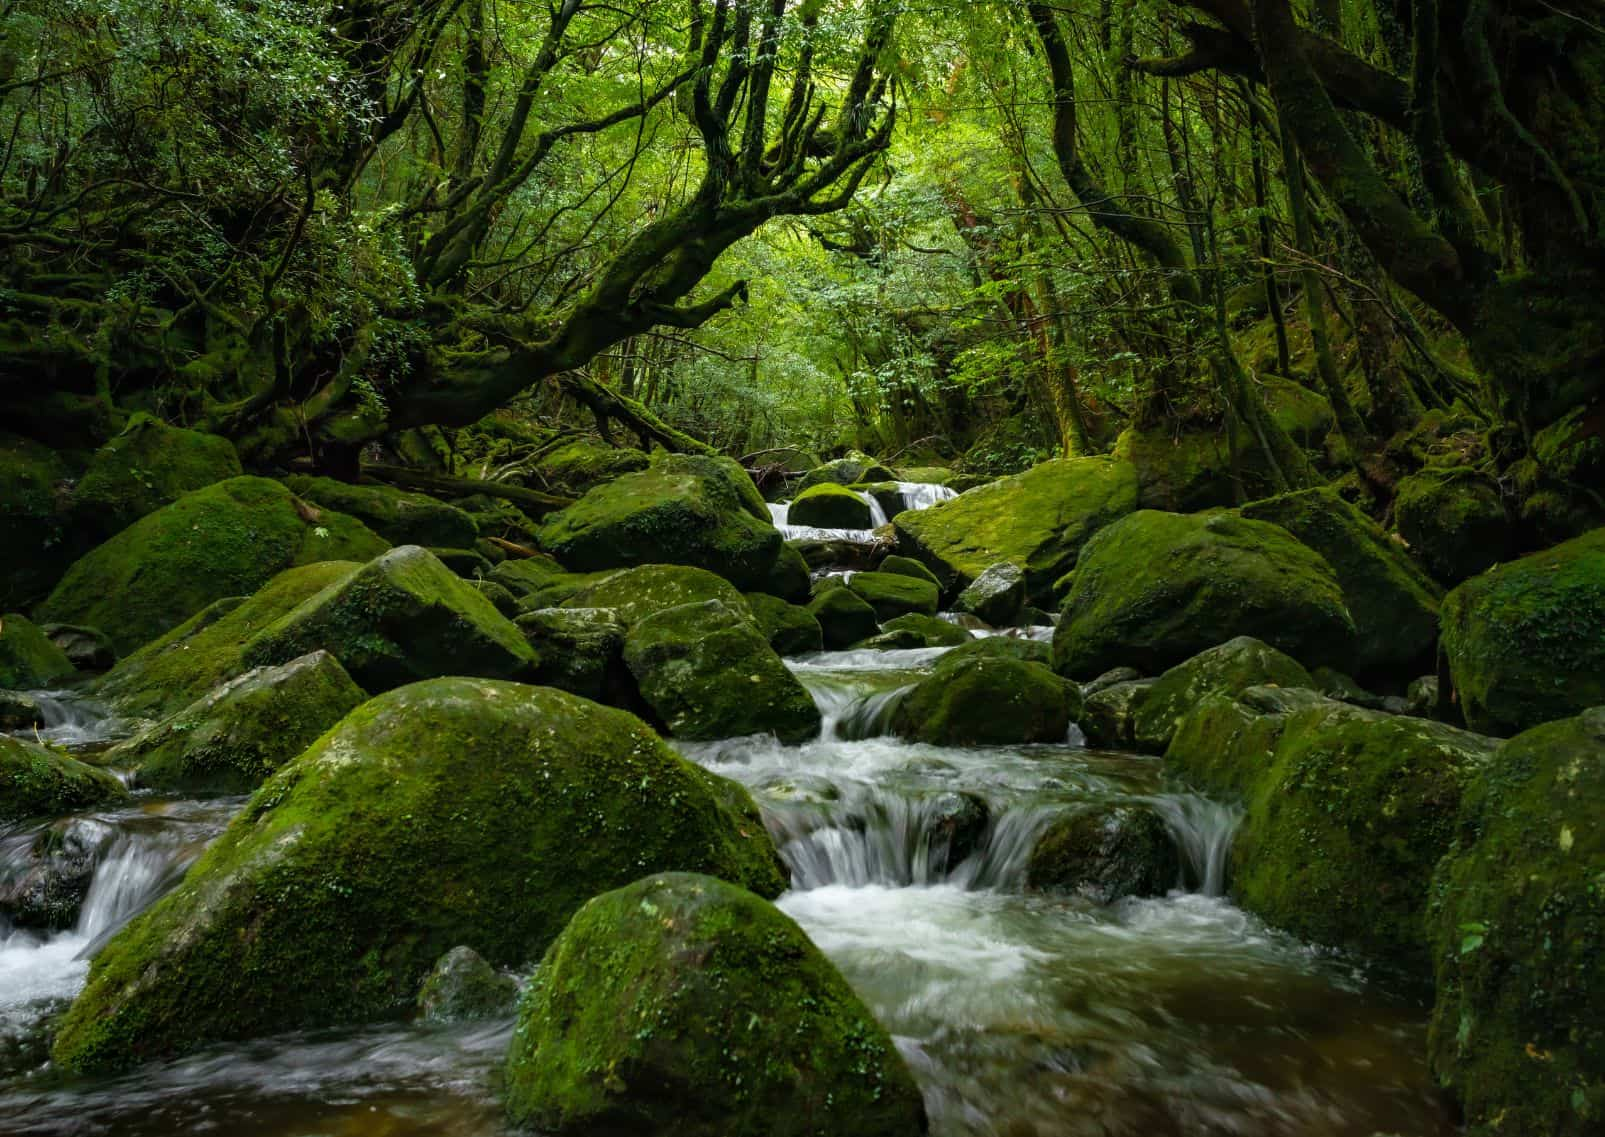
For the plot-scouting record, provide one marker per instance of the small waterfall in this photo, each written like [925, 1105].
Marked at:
[923, 495]
[914, 495]
[850, 714]
[72, 720]
[1203, 830]
[135, 870]
[877, 515]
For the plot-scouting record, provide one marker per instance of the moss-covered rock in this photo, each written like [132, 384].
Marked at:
[638, 593]
[1106, 851]
[789, 577]
[470, 564]
[168, 674]
[19, 711]
[454, 811]
[87, 649]
[147, 466]
[996, 597]
[29, 659]
[1518, 928]
[403, 616]
[35, 781]
[498, 518]
[1454, 520]
[228, 539]
[844, 618]
[1228, 669]
[1182, 471]
[829, 506]
[709, 673]
[683, 510]
[929, 631]
[47, 890]
[686, 1007]
[789, 628]
[1347, 812]
[1109, 714]
[578, 466]
[463, 987]
[847, 471]
[501, 598]
[987, 700]
[1001, 647]
[892, 595]
[1526, 641]
[1156, 588]
[581, 651]
[34, 529]
[907, 566]
[231, 739]
[524, 576]
[1394, 604]
[400, 517]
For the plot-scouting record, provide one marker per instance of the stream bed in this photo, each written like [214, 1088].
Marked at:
[1020, 1014]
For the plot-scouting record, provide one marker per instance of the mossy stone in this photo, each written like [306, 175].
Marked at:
[1109, 714]
[892, 595]
[454, 811]
[463, 988]
[1525, 641]
[847, 471]
[788, 578]
[1518, 928]
[1154, 589]
[932, 631]
[228, 539]
[829, 506]
[34, 528]
[987, 700]
[789, 628]
[908, 566]
[524, 576]
[683, 509]
[147, 466]
[1454, 520]
[399, 516]
[996, 597]
[1038, 520]
[403, 616]
[581, 651]
[708, 673]
[844, 618]
[1227, 669]
[502, 598]
[582, 464]
[1106, 851]
[684, 1006]
[637, 593]
[231, 739]
[1394, 603]
[1000, 647]
[35, 781]
[29, 659]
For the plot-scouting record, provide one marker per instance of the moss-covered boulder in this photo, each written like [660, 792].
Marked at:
[638, 593]
[844, 618]
[892, 595]
[46, 890]
[996, 597]
[1228, 669]
[1182, 471]
[29, 659]
[987, 700]
[398, 516]
[1347, 812]
[581, 651]
[1038, 520]
[683, 1006]
[578, 466]
[1517, 938]
[1394, 603]
[1454, 520]
[524, 576]
[708, 673]
[847, 471]
[1526, 641]
[502, 599]
[1109, 714]
[463, 987]
[1106, 851]
[1156, 588]
[908, 566]
[829, 506]
[455, 811]
[1001, 647]
[34, 530]
[231, 739]
[169, 673]
[789, 578]
[789, 628]
[929, 631]
[228, 539]
[35, 781]
[147, 466]
[683, 509]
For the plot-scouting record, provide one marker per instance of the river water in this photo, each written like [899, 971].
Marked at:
[1021, 1014]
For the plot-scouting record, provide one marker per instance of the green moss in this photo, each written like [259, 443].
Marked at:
[33, 522]
[908, 566]
[844, 618]
[399, 517]
[1106, 851]
[29, 660]
[790, 629]
[1109, 713]
[455, 811]
[1394, 604]
[930, 630]
[892, 595]
[169, 673]
[1228, 669]
[996, 597]
[1000, 647]
[1039, 520]
[640, 592]
[525, 576]
[685, 1007]
[1186, 471]
[147, 466]
[973, 699]
[582, 464]
[1454, 520]
[401, 617]
[686, 510]
[1518, 938]
[847, 471]
[37, 782]
[829, 506]
[708, 673]
[581, 651]
[464, 987]
[788, 578]
[231, 739]
[1154, 589]
[226, 540]
[1526, 640]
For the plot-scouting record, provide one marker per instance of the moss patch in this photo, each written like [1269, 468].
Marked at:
[29, 659]
[35, 781]
[147, 466]
[829, 506]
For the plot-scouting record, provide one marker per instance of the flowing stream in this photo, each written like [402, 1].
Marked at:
[1022, 1014]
